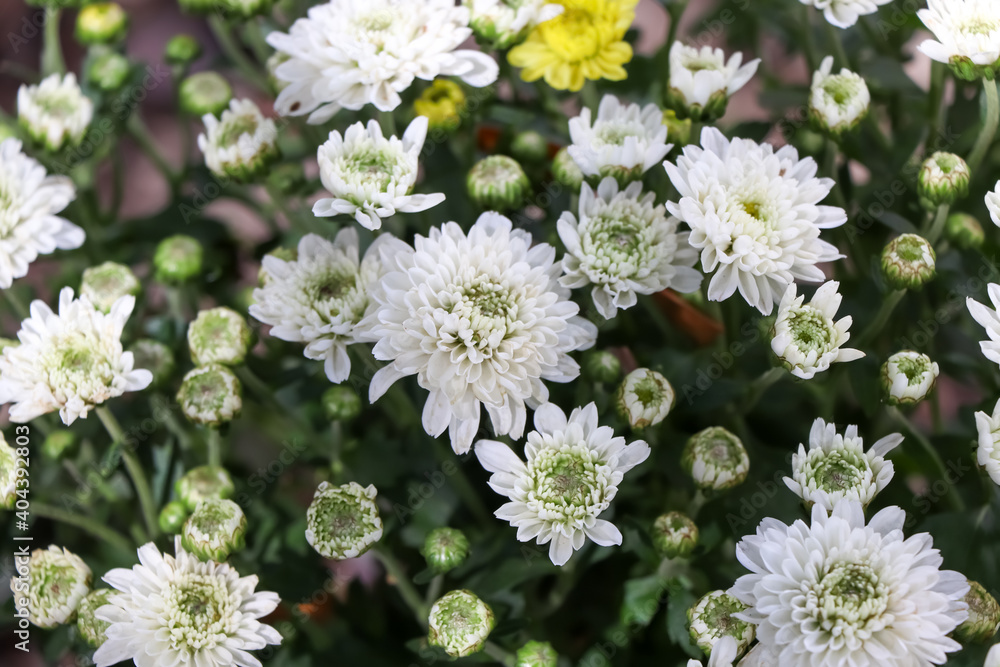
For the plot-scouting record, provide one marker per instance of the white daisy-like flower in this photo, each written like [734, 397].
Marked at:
[480, 319]
[57, 581]
[349, 53]
[319, 297]
[989, 318]
[837, 467]
[755, 215]
[29, 202]
[723, 654]
[70, 361]
[55, 112]
[993, 204]
[178, 610]
[241, 143]
[806, 338]
[967, 32]
[702, 80]
[573, 470]
[371, 177]
[838, 101]
[845, 13]
[624, 245]
[988, 452]
[504, 23]
[624, 141]
[839, 592]
[343, 521]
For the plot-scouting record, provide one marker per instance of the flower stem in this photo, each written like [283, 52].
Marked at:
[589, 96]
[953, 497]
[501, 655]
[434, 590]
[214, 447]
[760, 386]
[16, 303]
[387, 120]
[140, 133]
[134, 468]
[888, 305]
[838, 48]
[52, 57]
[86, 524]
[934, 232]
[989, 126]
[235, 53]
[403, 584]
[463, 486]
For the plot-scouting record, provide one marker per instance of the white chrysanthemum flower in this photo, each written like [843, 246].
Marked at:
[908, 377]
[723, 655]
[988, 452]
[349, 53]
[8, 474]
[716, 459]
[755, 215]
[839, 592]
[624, 141]
[573, 470]
[57, 581]
[989, 318]
[838, 101]
[845, 13]
[645, 398]
[55, 112]
[701, 80]
[216, 528]
[715, 617]
[343, 521]
[624, 245]
[70, 361]
[241, 143]
[806, 337]
[459, 622]
[837, 467]
[319, 297]
[480, 319]
[993, 204]
[504, 23]
[177, 610]
[993, 657]
[29, 202]
[371, 177]
[967, 32]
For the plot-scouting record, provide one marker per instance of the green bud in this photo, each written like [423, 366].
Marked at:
[530, 147]
[678, 130]
[713, 617]
[908, 261]
[715, 459]
[204, 93]
[105, 283]
[203, 483]
[172, 517]
[566, 170]
[602, 366]
[459, 622]
[965, 69]
[984, 616]
[155, 357]
[711, 112]
[101, 23]
[91, 628]
[498, 183]
[58, 443]
[343, 521]
[536, 654]
[216, 528]
[109, 71]
[908, 377]
[645, 398]
[182, 50]
[964, 231]
[177, 259]
[674, 535]
[210, 395]
[944, 179]
[341, 403]
[220, 336]
[59, 581]
[445, 549]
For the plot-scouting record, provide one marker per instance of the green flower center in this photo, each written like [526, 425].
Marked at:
[212, 518]
[910, 249]
[372, 168]
[234, 128]
[567, 478]
[841, 89]
[615, 134]
[811, 330]
[848, 594]
[199, 612]
[913, 369]
[839, 470]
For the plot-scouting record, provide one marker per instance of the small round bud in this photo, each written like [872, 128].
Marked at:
[530, 147]
[964, 68]
[459, 622]
[216, 528]
[645, 398]
[445, 549]
[220, 336]
[341, 403]
[984, 616]
[498, 183]
[674, 535]
[204, 93]
[55, 112]
[241, 143]
[8, 474]
[678, 130]
[109, 71]
[58, 443]
[59, 580]
[105, 283]
[210, 395]
[908, 377]
[964, 231]
[443, 103]
[536, 654]
[715, 459]
[182, 50]
[602, 366]
[908, 262]
[287, 178]
[172, 517]
[91, 628]
[566, 171]
[101, 23]
[203, 483]
[837, 102]
[155, 357]
[713, 617]
[177, 259]
[944, 179]
[343, 521]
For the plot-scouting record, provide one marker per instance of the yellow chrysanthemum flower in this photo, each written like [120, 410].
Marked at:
[443, 103]
[584, 42]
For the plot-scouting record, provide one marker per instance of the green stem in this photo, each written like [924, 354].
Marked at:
[434, 590]
[86, 524]
[140, 133]
[214, 447]
[838, 47]
[937, 227]
[501, 655]
[760, 386]
[697, 502]
[888, 305]
[235, 53]
[954, 498]
[589, 96]
[52, 57]
[676, 11]
[463, 486]
[403, 584]
[989, 126]
[134, 468]
[812, 60]
[16, 303]
[387, 120]
[936, 97]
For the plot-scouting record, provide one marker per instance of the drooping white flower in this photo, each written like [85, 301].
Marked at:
[624, 141]
[838, 101]
[504, 23]
[839, 592]
[241, 143]
[723, 655]
[70, 361]
[177, 610]
[371, 177]
[755, 215]
[29, 202]
[702, 80]
[967, 32]
[806, 337]
[989, 318]
[837, 467]
[480, 319]
[55, 112]
[988, 452]
[623, 245]
[993, 204]
[573, 470]
[319, 297]
[349, 53]
[845, 13]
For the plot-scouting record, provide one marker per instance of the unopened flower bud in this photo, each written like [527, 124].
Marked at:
[59, 580]
[215, 529]
[530, 147]
[713, 617]
[566, 171]
[498, 183]
[944, 179]
[702, 80]
[443, 103]
[908, 377]
[91, 628]
[536, 654]
[645, 398]
[241, 143]
[109, 71]
[155, 357]
[219, 335]
[177, 259]
[602, 366]
[105, 283]
[984, 616]
[341, 403]
[343, 521]
[55, 112]
[445, 549]
[964, 231]
[182, 50]
[908, 261]
[459, 622]
[210, 395]
[204, 93]
[172, 517]
[715, 459]
[837, 102]
[674, 535]
[101, 23]
[58, 443]
[203, 483]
